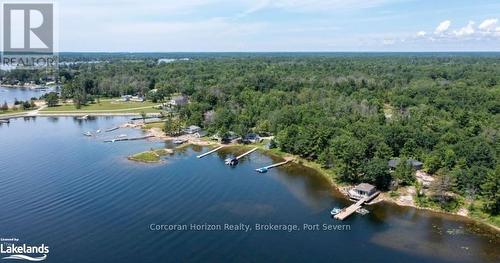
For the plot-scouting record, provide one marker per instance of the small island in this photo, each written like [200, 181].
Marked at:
[152, 156]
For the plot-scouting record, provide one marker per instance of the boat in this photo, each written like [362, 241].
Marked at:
[84, 117]
[231, 161]
[335, 211]
[5, 121]
[178, 141]
[122, 136]
[362, 211]
[87, 134]
[262, 170]
[98, 131]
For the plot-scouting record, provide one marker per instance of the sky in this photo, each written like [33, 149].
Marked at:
[278, 25]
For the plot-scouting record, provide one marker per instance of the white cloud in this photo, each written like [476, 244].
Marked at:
[442, 27]
[421, 34]
[388, 41]
[488, 24]
[465, 31]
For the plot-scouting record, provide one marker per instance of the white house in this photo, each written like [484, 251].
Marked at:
[192, 129]
[178, 101]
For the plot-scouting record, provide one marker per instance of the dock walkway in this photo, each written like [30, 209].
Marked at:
[265, 168]
[249, 152]
[130, 139]
[346, 212]
[209, 152]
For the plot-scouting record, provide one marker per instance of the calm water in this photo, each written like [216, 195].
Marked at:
[88, 203]
[9, 95]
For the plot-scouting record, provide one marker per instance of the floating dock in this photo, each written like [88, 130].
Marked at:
[346, 212]
[209, 152]
[130, 139]
[266, 168]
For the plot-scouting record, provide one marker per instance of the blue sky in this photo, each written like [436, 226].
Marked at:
[279, 25]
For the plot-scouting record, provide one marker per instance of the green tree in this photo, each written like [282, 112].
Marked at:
[404, 172]
[376, 171]
[491, 192]
[51, 99]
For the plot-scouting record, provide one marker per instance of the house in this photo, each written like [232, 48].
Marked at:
[227, 138]
[363, 190]
[178, 101]
[192, 129]
[417, 165]
[200, 134]
[137, 99]
[126, 98]
[252, 138]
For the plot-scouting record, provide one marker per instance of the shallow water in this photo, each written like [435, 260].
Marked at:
[85, 200]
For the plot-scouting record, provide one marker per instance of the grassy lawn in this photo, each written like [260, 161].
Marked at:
[10, 111]
[109, 105]
[153, 156]
[159, 124]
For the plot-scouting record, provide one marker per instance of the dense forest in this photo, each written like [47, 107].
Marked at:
[349, 113]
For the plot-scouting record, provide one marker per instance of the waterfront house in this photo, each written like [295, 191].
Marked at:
[178, 101]
[200, 134]
[192, 129]
[363, 190]
[417, 165]
[252, 138]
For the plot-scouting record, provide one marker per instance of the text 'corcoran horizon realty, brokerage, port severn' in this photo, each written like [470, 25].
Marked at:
[249, 227]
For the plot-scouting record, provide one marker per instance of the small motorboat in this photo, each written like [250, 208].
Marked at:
[231, 161]
[335, 211]
[178, 141]
[87, 134]
[84, 117]
[98, 131]
[122, 136]
[362, 211]
[262, 170]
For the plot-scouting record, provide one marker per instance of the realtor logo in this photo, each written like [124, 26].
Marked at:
[28, 28]
[28, 36]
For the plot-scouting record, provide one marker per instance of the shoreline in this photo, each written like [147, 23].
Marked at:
[157, 133]
[383, 197]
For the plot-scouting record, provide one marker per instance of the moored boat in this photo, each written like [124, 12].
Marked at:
[335, 211]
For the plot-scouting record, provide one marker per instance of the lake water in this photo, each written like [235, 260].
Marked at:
[9, 95]
[88, 203]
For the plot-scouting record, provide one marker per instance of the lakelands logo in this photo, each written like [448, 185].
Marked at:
[28, 35]
[10, 250]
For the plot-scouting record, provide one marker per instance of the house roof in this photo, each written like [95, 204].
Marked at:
[394, 163]
[365, 187]
[179, 98]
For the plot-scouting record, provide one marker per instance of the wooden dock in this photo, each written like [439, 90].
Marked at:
[346, 212]
[234, 161]
[111, 129]
[130, 139]
[247, 153]
[266, 168]
[209, 152]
